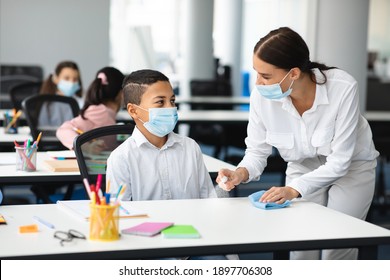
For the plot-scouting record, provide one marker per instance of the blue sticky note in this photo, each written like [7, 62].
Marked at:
[254, 198]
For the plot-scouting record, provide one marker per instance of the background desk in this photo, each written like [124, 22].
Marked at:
[9, 175]
[215, 100]
[227, 225]
[7, 140]
[202, 116]
[22, 118]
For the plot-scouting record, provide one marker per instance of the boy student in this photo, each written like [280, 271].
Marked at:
[156, 163]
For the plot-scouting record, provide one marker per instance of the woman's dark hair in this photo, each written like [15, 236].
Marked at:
[49, 87]
[136, 83]
[106, 87]
[286, 49]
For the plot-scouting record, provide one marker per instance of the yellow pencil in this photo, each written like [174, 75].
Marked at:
[14, 119]
[39, 137]
[108, 187]
[79, 131]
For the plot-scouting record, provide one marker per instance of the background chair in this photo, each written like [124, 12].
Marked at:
[93, 161]
[210, 134]
[32, 107]
[12, 75]
[21, 91]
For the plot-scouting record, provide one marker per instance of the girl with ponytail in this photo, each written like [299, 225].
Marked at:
[102, 103]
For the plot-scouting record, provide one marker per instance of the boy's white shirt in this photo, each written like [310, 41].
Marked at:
[176, 171]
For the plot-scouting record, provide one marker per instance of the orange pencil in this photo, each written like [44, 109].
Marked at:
[36, 142]
[14, 119]
[79, 131]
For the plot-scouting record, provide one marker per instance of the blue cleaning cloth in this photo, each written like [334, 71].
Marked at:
[254, 198]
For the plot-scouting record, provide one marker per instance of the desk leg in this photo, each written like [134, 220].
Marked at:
[368, 253]
[281, 255]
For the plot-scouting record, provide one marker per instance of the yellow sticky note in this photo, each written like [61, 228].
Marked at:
[2, 220]
[28, 228]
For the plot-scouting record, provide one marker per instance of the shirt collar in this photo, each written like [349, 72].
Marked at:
[321, 97]
[321, 90]
[140, 139]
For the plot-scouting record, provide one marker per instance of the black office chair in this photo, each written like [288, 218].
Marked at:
[12, 75]
[91, 158]
[32, 108]
[21, 91]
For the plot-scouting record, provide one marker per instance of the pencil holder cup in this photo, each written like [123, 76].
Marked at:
[104, 222]
[8, 127]
[26, 158]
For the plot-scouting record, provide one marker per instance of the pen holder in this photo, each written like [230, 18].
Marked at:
[10, 129]
[26, 158]
[104, 222]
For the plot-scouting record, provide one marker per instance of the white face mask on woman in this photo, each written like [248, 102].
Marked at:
[162, 121]
[274, 91]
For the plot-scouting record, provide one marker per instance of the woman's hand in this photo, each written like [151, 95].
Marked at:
[228, 179]
[279, 194]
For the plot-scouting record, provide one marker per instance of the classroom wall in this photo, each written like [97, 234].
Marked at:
[72, 29]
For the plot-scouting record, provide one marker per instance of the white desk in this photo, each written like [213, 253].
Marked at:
[227, 225]
[23, 134]
[9, 175]
[7, 140]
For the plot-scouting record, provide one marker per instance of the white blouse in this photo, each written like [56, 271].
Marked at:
[333, 128]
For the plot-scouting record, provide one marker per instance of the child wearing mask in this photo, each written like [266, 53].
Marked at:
[65, 81]
[102, 103]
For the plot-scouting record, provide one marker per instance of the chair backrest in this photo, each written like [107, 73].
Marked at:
[45, 113]
[93, 147]
[209, 134]
[21, 91]
[211, 88]
[12, 75]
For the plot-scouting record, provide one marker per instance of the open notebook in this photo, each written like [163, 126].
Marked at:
[80, 209]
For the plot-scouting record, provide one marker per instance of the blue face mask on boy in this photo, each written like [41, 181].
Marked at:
[68, 88]
[274, 91]
[162, 121]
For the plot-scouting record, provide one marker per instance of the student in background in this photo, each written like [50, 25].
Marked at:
[65, 81]
[310, 113]
[102, 103]
[155, 163]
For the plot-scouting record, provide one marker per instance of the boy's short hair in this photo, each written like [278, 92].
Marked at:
[135, 84]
